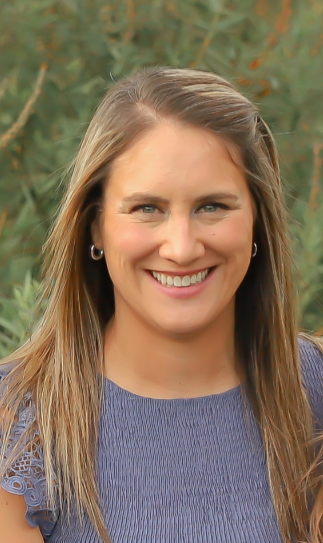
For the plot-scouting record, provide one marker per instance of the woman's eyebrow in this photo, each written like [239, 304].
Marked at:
[139, 197]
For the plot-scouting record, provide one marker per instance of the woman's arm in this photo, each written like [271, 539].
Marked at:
[14, 527]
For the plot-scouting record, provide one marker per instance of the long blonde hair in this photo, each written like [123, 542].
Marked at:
[314, 478]
[62, 361]
[316, 518]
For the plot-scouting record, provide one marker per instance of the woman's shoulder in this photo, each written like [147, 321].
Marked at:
[26, 414]
[5, 369]
[311, 357]
[25, 475]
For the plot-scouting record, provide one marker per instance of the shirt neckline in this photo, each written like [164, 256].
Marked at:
[108, 384]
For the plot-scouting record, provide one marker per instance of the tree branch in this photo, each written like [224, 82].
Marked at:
[206, 42]
[131, 14]
[315, 184]
[3, 86]
[26, 112]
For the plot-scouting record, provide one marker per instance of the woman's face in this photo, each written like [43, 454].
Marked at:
[176, 206]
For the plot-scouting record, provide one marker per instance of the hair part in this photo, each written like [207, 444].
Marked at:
[64, 357]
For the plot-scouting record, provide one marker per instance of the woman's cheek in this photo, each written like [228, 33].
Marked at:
[234, 234]
[131, 240]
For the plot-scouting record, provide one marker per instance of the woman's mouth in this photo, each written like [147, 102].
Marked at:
[180, 281]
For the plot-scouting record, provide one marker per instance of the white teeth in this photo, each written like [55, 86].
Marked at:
[177, 281]
[186, 281]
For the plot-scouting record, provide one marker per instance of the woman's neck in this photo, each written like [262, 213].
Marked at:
[151, 363]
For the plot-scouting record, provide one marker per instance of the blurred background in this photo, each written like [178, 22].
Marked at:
[59, 57]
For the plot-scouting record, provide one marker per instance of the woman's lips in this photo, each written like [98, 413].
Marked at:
[184, 291]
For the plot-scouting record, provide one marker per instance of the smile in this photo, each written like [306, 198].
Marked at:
[178, 281]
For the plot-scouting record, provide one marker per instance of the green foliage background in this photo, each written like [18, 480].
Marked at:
[57, 59]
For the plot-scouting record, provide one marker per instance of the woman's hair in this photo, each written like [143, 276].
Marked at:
[314, 477]
[316, 519]
[62, 361]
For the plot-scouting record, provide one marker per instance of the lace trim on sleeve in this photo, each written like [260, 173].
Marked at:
[26, 476]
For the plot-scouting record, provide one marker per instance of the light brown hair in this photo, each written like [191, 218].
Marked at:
[61, 363]
[316, 518]
[314, 478]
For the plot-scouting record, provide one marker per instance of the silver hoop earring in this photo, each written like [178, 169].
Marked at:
[255, 249]
[96, 254]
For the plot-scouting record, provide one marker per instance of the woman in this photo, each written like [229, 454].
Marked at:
[161, 392]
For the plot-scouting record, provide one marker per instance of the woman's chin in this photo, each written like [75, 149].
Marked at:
[182, 327]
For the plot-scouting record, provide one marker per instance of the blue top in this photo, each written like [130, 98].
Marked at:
[171, 471]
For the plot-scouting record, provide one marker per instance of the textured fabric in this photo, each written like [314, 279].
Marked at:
[173, 471]
[26, 476]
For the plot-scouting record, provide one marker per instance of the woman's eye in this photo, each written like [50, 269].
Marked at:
[145, 208]
[211, 208]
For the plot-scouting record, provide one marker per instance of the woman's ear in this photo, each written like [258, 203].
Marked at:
[96, 233]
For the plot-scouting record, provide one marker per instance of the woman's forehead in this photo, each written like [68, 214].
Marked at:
[176, 153]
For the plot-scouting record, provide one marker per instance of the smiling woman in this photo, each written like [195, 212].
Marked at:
[156, 400]
[176, 170]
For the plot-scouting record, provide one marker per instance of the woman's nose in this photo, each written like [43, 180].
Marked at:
[180, 244]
